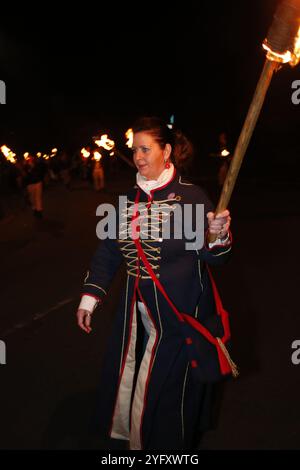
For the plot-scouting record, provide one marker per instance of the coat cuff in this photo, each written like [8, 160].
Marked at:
[218, 243]
[88, 302]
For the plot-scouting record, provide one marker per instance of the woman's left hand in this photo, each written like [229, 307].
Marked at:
[219, 224]
[84, 319]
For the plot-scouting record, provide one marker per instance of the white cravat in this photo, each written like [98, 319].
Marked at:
[147, 185]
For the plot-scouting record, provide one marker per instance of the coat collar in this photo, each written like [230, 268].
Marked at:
[164, 184]
[152, 185]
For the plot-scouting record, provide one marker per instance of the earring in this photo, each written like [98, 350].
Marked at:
[167, 164]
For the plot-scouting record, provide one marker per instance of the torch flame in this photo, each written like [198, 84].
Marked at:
[225, 153]
[5, 150]
[97, 156]
[292, 57]
[9, 154]
[105, 142]
[296, 52]
[85, 153]
[282, 58]
[54, 150]
[129, 136]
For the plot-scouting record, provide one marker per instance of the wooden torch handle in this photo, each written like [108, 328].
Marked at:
[244, 138]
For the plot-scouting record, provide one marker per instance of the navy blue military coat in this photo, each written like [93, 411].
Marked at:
[154, 396]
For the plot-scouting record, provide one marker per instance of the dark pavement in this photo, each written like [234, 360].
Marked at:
[48, 385]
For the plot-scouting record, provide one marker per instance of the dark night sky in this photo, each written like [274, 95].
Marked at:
[68, 77]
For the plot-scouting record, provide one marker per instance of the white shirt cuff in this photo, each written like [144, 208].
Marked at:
[88, 303]
[219, 241]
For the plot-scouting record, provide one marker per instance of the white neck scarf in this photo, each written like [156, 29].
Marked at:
[148, 185]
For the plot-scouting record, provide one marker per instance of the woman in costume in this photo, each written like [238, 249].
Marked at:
[168, 344]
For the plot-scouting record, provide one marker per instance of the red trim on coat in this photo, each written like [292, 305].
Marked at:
[220, 309]
[165, 185]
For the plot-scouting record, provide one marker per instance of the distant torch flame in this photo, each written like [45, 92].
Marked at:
[85, 153]
[54, 150]
[105, 142]
[129, 137]
[225, 153]
[9, 154]
[291, 57]
[97, 156]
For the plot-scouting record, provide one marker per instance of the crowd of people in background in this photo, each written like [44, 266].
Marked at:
[29, 176]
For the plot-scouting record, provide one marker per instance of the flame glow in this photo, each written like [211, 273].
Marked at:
[9, 154]
[85, 153]
[292, 57]
[97, 156]
[129, 137]
[296, 52]
[105, 142]
[225, 153]
[282, 58]
[54, 150]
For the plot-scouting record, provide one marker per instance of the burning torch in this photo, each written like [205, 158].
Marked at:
[8, 153]
[109, 144]
[282, 45]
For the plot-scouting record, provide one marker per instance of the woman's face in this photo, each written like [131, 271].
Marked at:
[148, 157]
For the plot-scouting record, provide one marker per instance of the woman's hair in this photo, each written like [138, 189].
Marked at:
[182, 148]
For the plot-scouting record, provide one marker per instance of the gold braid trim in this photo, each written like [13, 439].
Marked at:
[233, 366]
